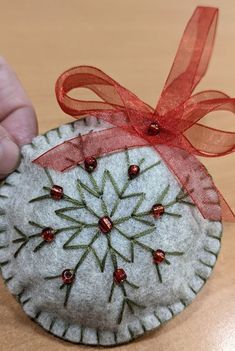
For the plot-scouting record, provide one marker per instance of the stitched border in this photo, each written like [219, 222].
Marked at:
[159, 321]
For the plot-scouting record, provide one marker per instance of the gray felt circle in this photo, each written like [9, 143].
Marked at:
[94, 309]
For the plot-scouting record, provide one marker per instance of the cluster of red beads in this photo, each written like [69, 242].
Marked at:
[157, 210]
[158, 256]
[57, 192]
[48, 234]
[105, 224]
[119, 275]
[68, 276]
[133, 171]
[153, 129]
[90, 164]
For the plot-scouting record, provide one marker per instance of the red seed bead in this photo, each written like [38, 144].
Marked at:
[68, 276]
[153, 129]
[90, 164]
[105, 224]
[158, 256]
[57, 192]
[48, 234]
[133, 171]
[157, 210]
[119, 275]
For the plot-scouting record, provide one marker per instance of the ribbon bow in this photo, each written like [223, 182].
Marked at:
[172, 128]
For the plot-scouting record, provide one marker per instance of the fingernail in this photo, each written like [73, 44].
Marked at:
[9, 156]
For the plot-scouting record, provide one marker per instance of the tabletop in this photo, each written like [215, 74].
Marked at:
[134, 42]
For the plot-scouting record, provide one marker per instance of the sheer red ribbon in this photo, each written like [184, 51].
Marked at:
[178, 112]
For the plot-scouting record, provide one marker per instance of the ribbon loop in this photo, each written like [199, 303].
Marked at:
[115, 98]
[191, 60]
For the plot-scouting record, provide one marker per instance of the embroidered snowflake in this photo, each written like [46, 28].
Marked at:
[85, 218]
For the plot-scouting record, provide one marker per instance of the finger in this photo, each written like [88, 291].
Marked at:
[9, 154]
[17, 114]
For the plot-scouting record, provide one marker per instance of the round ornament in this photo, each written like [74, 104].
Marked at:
[111, 226]
[101, 257]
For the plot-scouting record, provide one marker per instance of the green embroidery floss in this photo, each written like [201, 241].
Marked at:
[92, 242]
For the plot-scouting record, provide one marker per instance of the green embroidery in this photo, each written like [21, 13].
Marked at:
[76, 227]
[3, 196]
[24, 239]
[25, 301]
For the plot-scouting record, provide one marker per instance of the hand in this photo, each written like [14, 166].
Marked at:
[18, 122]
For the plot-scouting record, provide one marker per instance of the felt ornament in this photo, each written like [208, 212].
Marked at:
[102, 235]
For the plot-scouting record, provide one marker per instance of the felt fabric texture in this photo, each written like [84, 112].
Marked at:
[94, 309]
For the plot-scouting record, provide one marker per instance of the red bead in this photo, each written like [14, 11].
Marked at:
[90, 164]
[133, 171]
[105, 224]
[119, 275]
[57, 192]
[68, 276]
[48, 234]
[158, 256]
[157, 210]
[153, 128]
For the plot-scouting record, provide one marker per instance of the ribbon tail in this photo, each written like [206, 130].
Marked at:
[196, 181]
[228, 214]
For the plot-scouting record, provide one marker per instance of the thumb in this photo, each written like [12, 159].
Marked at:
[9, 154]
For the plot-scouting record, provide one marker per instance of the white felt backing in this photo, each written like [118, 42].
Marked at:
[88, 316]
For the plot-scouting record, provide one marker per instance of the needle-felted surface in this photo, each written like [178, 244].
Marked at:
[94, 308]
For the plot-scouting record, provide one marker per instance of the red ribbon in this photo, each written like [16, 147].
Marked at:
[178, 112]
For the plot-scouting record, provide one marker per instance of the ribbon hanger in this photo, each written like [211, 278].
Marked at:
[172, 128]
